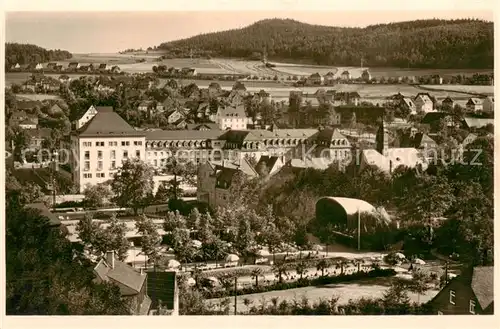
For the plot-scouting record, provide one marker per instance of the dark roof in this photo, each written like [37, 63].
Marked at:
[103, 66]
[201, 126]
[267, 161]
[182, 134]
[416, 141]
[330, 134]
[39, 133]
[161, 286]
[129, 280]
[45, 212]
[239, 136]
[448, 100]
[107, 123]
[225, 176]
[27, 105]
[432, 117]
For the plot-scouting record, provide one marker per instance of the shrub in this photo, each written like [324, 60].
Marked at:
[238, 271]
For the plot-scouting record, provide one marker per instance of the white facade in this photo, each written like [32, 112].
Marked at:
[489, 104]
[424, 104]
[232, 118]
[96, 159]
[91, 112]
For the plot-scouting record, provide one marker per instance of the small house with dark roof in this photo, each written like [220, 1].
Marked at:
[131, 282]
[315, 79]
[101, 145]
[329, 78]
[448, 103]
[346, 76]
[73, 65]
[471, 292]
[215, 179]
[103, 67]
[474, 104]
[269, 165]
[366, 76]
[41, 209]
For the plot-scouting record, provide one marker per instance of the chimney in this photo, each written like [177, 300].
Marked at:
[110, 258]
[142, 271]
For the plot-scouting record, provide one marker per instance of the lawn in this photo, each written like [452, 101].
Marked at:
[368, 288]
[36, 97]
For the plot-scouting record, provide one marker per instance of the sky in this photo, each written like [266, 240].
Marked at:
[110, 32]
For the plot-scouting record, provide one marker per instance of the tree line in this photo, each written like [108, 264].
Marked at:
[465, 43]
[16, 53]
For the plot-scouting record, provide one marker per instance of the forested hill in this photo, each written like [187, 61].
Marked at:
[31, 54]
[433, 43]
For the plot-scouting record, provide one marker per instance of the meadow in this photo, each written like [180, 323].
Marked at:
[486, 90]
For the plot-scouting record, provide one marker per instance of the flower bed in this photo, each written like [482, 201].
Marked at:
[239, 271]
[305, 282]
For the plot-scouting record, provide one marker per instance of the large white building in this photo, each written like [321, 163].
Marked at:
[101, 145]
[232, 118]
[107, 140]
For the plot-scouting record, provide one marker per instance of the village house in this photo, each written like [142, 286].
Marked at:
[424, 103]
[408, 105]
[345, 76]
[28, 123]
[64, 78]
[115, 69]
[388, 159]
[176, 117]
[86, 117]
[346, 98]
[315, 79]
[215, 177]
[103, 67]
[38, 66]
[188, 72]
[55, 109]
[474, 104]
[448, 103]
[36, 137]
[73, 66]
[214, 89]
[489, 104]
[470, 122]
[269, 165]
[471, 292]
[16, 66]
[263, 96]
[366, 76]
[232, 118]
[132, 283]
[329, 78]
[51, 66]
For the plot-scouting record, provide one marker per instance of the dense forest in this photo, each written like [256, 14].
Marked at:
[435, 43]
[32, 54]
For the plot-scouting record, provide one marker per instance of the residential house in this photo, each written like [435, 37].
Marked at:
[489, 104]
[345, 76]
[51, 66]
[346, 98]
[388, 159]
[55, 109]
[102, 145]
[38, 66]
[263, 96]
[115, 69]
[214, 89]
[407, 104]
[73, 66]
[329, 78]
[202, 126]
[366, 76]
[146, 107]
[448, 103]
[433, 119]
[474, 104]
[103, 67]
[176, 117]
[16, 66]
[332, 146]
[50, 85]
[424, 103]
[315, 79]
[437, 79]
[132, 283]
[86, 117]
[471, 292]
[232, 118]
[367, 115]
[188, 72]
[64, 78]
[29, 85]
[58, 68]
[235, 98]
[19, 116]
[239, 87]
[414, 138]
[269, 165]
[37, 136]
[215, 178]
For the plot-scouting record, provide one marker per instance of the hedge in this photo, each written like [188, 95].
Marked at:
[304, 282]
[242, 271]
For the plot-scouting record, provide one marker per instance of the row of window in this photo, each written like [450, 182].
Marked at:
[98, 175]
[114, 143]
[112, 154]
[472, 303]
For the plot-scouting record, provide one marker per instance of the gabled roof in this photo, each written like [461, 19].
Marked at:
[408, 102]
[482, 285]
[431, 117]
[478, 122]
[182, 134]
[107, 123]
[315, 75]
[202, 126]
[474, 101]
[45, 212]
[128, 279]
[239, 136]
[268, 161]
[233, 111]
[448, 99]
[345, 73]
[330, 134]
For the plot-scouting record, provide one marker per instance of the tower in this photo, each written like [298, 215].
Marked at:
[382, 139]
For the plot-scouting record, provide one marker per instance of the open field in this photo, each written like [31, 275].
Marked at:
[397, 72]
[36, 97]
[487, 90]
